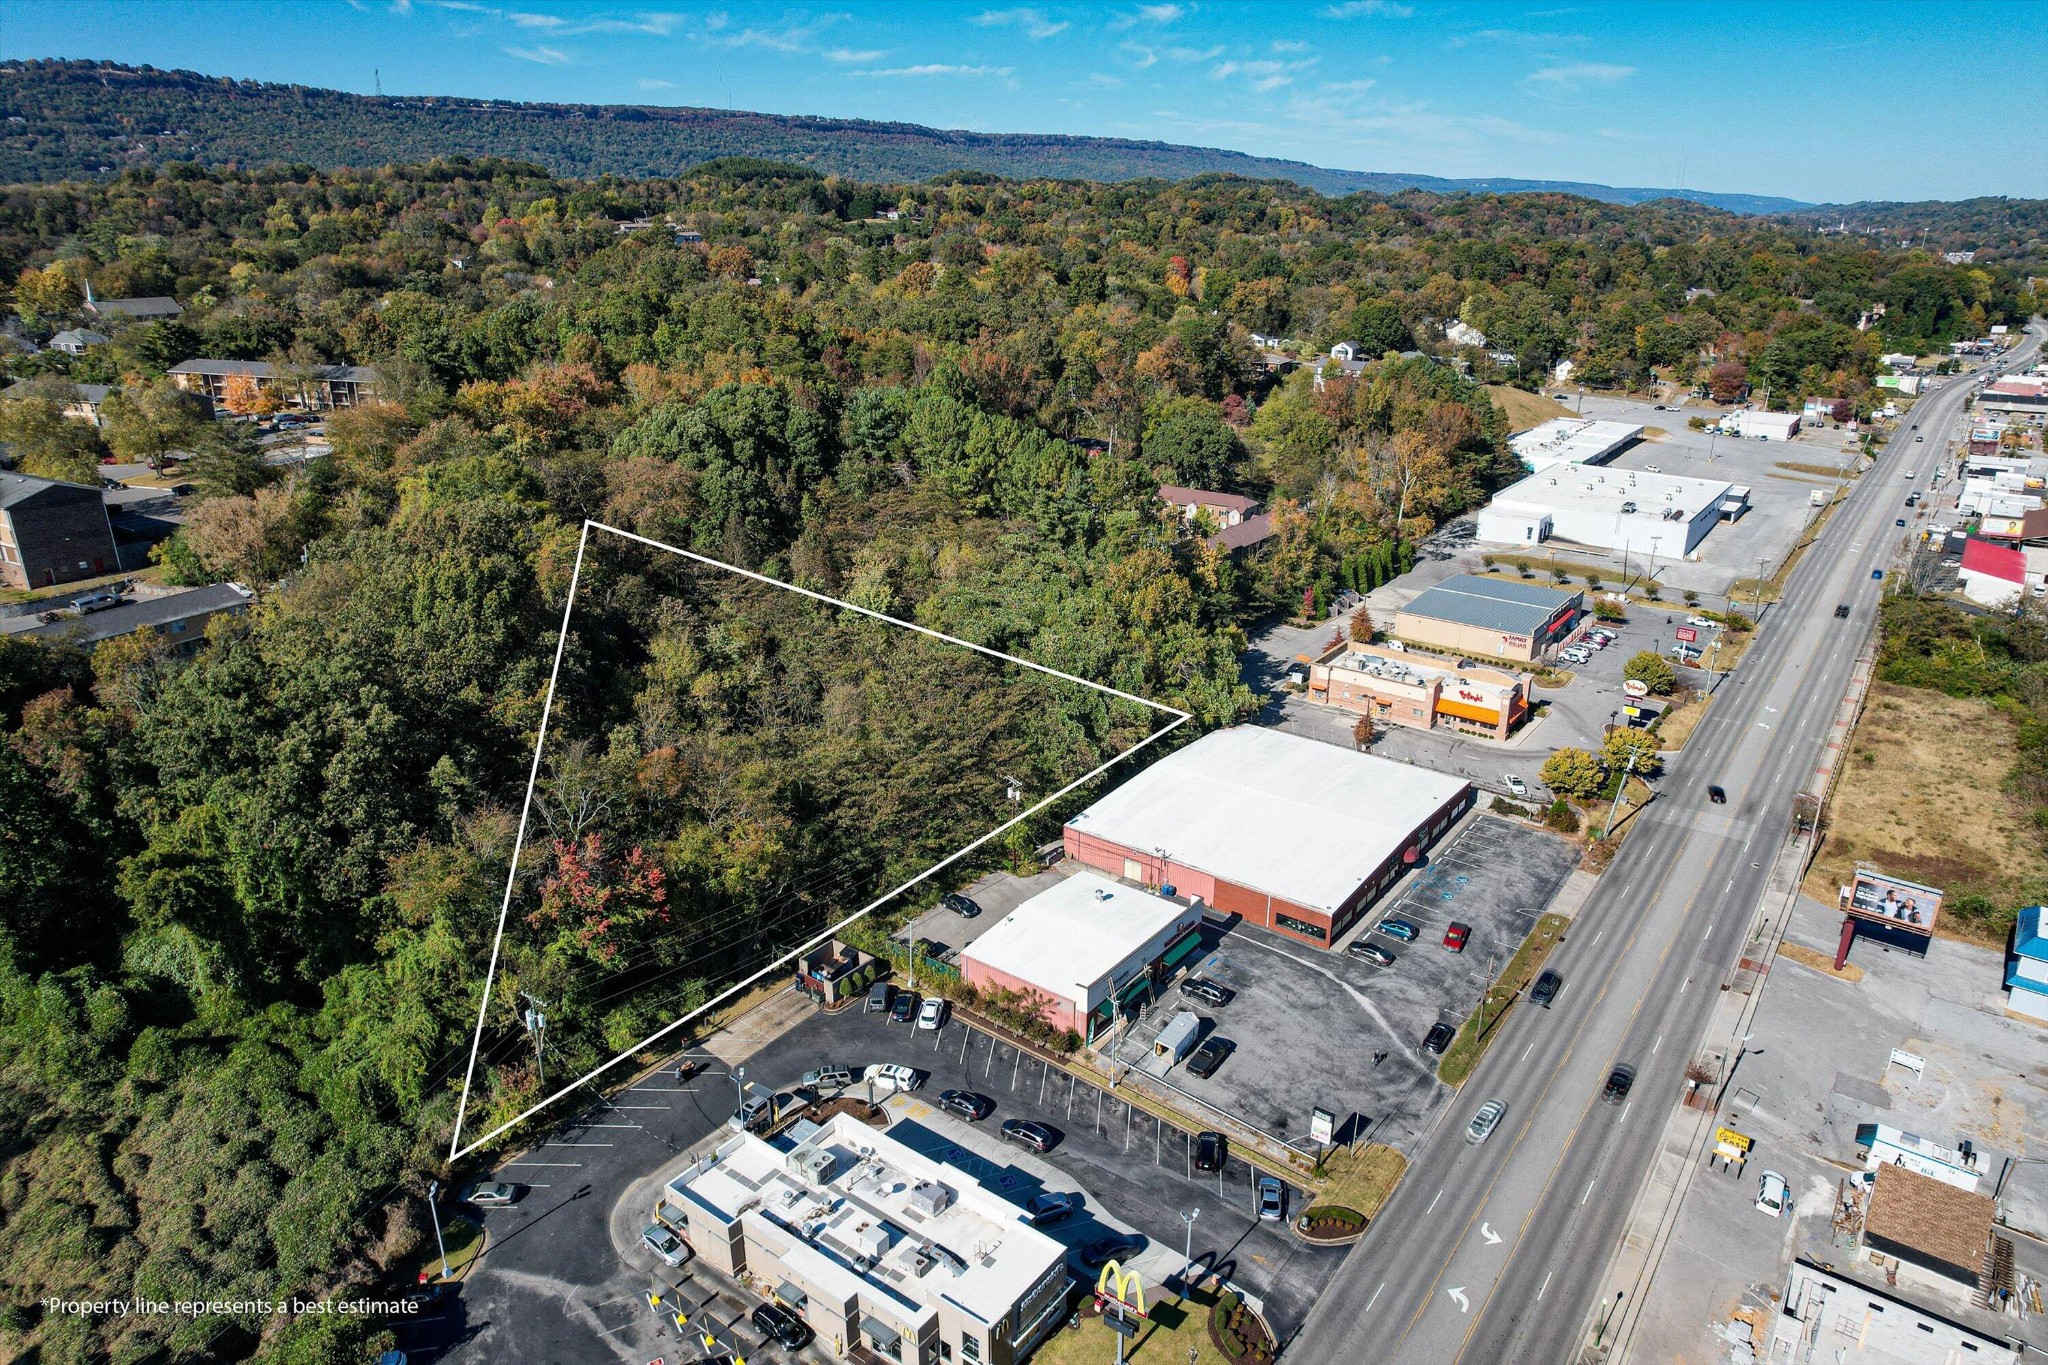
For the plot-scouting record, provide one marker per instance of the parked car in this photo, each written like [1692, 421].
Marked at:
[892, 1076]
[1438, 1038]
[1397, 928]
[97, 601]
[1371, 952]
[1030, 1133]
[968, 1105]
[1515, 784]
[880, 996]
[1117, 1246]
[960, 905]
[1457, 936]
[753, 1112]
[1203, 989]
[931, 1016]
[491, 1194]
[830, 1076]
[661, 1239]
[1701, 621]
[1653, 469]
[790, 1332]
[1049, 1206]
[1772, 1194]
[905, 1007]
[1211, 1151]
[1204, 1060]
[1546, 988]
[1272, 1198]
[1485, 1121]
[1619, 1081]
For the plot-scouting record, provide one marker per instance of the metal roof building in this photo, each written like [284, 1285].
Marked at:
[1292, 833]
[1493, 617]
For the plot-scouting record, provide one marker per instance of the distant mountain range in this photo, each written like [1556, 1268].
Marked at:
[82, 120]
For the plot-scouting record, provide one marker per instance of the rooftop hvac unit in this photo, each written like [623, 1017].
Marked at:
[872, 1239]
[810, 1163]
[930, 1198]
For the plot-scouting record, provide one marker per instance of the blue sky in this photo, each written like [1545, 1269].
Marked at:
[1812, 101]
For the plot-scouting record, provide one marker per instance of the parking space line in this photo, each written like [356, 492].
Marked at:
[543, 1163]
[576, 1144]
[643, 1106]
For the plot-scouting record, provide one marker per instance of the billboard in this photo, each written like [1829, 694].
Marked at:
[1891, 900]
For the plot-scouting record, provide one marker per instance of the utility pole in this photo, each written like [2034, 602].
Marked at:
[1626, 773]
[537, 1026]
[433, 1202]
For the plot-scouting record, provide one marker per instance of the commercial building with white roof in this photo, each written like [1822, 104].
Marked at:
[877, 1247]
[1293, 834]
[1573, 440]
[1611, 509]
[1085, 946]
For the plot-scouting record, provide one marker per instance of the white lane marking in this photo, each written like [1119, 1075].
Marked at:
[1539, 1292]
[1597, 937]
[1375, 1297]
[642, 1106]
[1683, 984]
[1529, 1049]
[543, 1163]
[1654, 1046]
[1624, 1110]
[1587, 1195]
[1458, 1297]
[1432, 1204]
[1729, 885]
[1492, 1237]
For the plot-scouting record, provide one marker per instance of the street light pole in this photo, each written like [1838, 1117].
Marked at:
[1188, 1254]
[433, 1202]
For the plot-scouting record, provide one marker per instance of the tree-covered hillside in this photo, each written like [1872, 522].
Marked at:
[247, 895]
[80, 120]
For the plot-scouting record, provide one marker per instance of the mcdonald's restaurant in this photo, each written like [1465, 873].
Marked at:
[890, 1257]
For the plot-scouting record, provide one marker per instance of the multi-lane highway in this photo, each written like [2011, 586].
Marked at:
[1496, 1252]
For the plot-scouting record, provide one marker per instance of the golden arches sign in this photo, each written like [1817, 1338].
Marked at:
[1122, 1285]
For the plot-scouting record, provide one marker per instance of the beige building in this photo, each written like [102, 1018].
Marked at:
[1398, 687]
[885, 1253]
[1492, 618]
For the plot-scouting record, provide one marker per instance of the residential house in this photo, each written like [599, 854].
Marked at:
[1463, 334]
[1253, 531]
[328, 386]
[52, 532]
[77, 340]
[1228, 509]
[153, 309]
[1347, 358]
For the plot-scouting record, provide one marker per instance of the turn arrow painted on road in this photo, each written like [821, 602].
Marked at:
[1492, 1237]
[1458, 1297]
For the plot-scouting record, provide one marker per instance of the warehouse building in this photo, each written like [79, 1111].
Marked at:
[1400, 687]
[1293, 834]
[884, 1252]
[1573, 441]
[1469, 614]
[1611, 509]
[1089, 947]
[1763, 426]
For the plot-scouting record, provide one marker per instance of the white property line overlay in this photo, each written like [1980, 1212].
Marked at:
[456, 1151]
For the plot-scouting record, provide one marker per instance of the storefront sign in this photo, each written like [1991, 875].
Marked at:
[1322, 1126]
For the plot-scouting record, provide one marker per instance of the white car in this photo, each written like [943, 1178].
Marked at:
[932, 1014]
[1516, 785]
[1485, 1121]
[889, 1077]
[1700, 621]
[1772, 1194]
[1912, 473]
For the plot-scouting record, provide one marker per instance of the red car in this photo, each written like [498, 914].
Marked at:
[1455, 936]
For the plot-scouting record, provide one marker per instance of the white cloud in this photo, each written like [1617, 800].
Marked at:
[1517, 37]
[1034, 22]
[1361, 9]
[1155, 15]
[856, 56]
[1288, 45]
[655, 24]
[1576, 76]
[651, 83]
[934, 69]
[1262, 75]
[1138, 55]
[546, 56]
[1196, 54]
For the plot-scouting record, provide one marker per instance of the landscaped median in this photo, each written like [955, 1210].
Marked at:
[1478, 1030]
[1175, 1331]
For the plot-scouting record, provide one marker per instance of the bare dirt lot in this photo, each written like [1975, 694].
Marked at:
[1921, 796]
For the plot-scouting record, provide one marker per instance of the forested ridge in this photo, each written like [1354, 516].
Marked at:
[246, 897]
[80, 119]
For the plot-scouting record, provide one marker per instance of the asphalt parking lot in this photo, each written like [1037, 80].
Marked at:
[1327, 1029]
[945, 933]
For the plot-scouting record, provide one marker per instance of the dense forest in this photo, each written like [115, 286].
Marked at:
[82, 119]
[246, 897]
